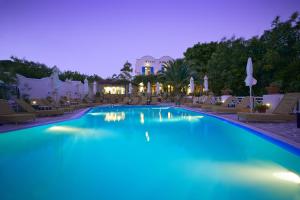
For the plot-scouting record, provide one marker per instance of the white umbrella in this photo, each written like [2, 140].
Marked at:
[148, 88]
[205, 83]
[157, 88]
[250, 80]
[85, 87]
[55, 84]
[95, 87]
[130, 88]
[192, 85]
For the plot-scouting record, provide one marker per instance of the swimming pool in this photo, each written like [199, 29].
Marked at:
[144, 152]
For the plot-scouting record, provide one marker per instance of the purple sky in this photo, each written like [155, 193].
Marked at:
[99, 36]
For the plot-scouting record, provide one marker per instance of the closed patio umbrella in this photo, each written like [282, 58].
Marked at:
[157, 88]
[130, 88]
[148, 88]
[85, 87]
[192, 85]
[250, 80]
[205, 83]
[95, 87]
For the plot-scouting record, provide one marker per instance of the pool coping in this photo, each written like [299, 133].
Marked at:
[268, 135]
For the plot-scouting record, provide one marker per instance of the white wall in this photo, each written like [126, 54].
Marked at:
[51, 86]
[152, 62]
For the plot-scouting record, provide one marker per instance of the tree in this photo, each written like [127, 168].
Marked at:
[126, 71]
[177, 74]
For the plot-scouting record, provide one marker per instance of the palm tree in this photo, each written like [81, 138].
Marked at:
[177, 74]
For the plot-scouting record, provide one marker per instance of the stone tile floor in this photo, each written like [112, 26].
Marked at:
[287, 130]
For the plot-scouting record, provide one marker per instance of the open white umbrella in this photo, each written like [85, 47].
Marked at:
[130, 88]
[157, 88]
[250, 80]
[192, 85]
[148, 88]
[205, 83]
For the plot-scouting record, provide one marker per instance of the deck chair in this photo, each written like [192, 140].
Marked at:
[209, 108]
[243, 106]
[154, 100]
[8, 115]
[281, 113]
[28, 108]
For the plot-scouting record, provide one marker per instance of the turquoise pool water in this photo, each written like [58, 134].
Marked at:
[144, 153]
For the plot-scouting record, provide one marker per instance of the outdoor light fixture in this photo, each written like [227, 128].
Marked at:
[268, 105]
[33, 102]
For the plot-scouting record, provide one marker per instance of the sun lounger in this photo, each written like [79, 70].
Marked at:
[243, 106]
[281, 113]
[226, 104]
[8, 115]
[134, 100]
[154, 100]
[28, 108]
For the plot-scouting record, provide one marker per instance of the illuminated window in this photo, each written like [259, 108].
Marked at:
[114, 90]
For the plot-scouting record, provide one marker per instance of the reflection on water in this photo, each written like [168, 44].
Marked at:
[147, 136]
[142, 120]
[114, 116]
[287, 176]
[261, 172]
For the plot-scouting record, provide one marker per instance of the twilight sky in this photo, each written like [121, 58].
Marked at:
[99, 36]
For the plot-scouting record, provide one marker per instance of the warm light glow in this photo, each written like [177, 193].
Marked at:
[96, 114]
[268, 105]
[147, 136]
[33, 102]
[142, 118]
[114, 90]
[223, 101]
[64, 129]
[287, 176]
[114, 116]
[141, 87]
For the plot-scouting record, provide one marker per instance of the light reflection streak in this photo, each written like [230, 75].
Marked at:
[237, 172]
[83, 132]
[114, 116]
[142, 120]
[147, 136]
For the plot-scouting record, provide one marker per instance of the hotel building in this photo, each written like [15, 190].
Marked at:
[147, 65]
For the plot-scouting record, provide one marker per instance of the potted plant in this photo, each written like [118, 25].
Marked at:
[261, 108]
[274, 87]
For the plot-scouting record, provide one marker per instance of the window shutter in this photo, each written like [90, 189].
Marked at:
[152, 70]
[143, 70]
